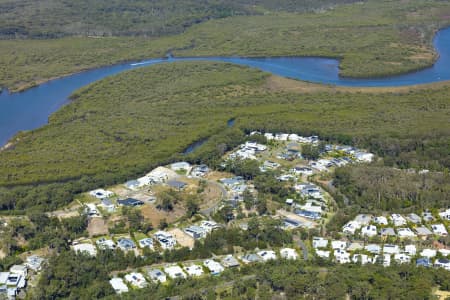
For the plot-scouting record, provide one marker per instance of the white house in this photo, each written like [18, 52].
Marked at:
[364, 156]
[267, 255]
[373, 248]
[338, 245]
[386, 259]
[323, 254]
[175, 272]
[165, 239]
[363, 219]
[402, 258]
[156, 275]
[429, 253]
[214, 267]
[180, 166]
[288, 253]
[444, 252]
[341, 256]
[381, 220]
[369, 230]
[85, 248]
[101, 193]
[209, 225]
[146, 242]
[439, 229]
[21, 270]
[91, 209]
[445, 215]
[319, 242]
[411, 250]
[118, 285]
[405, 232]
[104, 244]
[391, 249]
[442, 263]
[398, 220]
[351, 227]
[136, 280]
[361, 258]
[194, 270]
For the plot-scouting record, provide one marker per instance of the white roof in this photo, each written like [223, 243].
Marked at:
[118, 285]
[289, 253]
[391, 249]
[369, 230]
[319, 242]
[180, 165]
[405, 232]
[338, 244]
[381, 220]
[439, 229]
[85, 248]
[213, 266]
[323, 254]
[136, 279]
[410, 249]
[267, 255]
[428, 253]
[18, 269]
[175, 272]
[157, 275]
[3, 277]
[194, 270]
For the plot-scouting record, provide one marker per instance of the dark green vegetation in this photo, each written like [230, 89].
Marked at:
[123, 126]
[38, 231]
[53, 18]
[387, 189]
[372, 38]
[80, 277]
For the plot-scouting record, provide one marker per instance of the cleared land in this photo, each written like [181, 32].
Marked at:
[372, 38]
[125, 125]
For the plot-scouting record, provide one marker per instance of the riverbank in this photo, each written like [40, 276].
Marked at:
[372, 38]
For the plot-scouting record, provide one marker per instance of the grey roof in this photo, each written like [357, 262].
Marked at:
[132, 183]
[387, 231]
[176, 184]
[130, 202]
[230, 261]
[252, 257]
[414, 218]
[126, 243]
[423, 231]
[106, 202]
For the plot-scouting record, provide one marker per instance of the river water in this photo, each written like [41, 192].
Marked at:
[30, 109]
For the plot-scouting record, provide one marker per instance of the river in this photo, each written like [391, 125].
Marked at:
[30, 109]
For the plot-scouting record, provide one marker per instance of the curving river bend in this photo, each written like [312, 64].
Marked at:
[31, 109]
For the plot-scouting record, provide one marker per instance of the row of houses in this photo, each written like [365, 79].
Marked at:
[165, 239]
[366, 225]
[191, 270]
[345, 252]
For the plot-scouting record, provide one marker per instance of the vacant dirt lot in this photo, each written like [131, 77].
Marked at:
[97, 226]
[154, 215]
[182, 238]
[211, 195]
